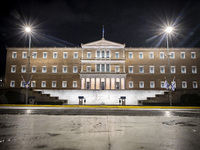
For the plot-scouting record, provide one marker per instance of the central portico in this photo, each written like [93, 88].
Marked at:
[103, 65]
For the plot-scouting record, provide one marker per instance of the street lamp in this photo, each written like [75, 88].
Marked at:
[28, 31]
[168, 30]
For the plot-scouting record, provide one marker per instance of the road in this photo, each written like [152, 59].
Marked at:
[43, 128]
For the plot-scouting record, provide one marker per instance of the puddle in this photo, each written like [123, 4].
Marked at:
[7, 126]
[53, 134]
[40, 146]
[173, 122]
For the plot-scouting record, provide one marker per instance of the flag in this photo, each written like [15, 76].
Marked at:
[173, 85]
[166, 84]
[24, 82]
[103, 32]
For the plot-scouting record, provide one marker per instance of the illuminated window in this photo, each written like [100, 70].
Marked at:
[182, 55]
[141, 84]
[12, 83]
[193, 55]
[44, 69]
[44, 54]
[65, 55]
[34, 55]
[74, 84]
[183, 69]
[152, 84]
[13, 68]
[55, 55]
[184, 84]
[151, 55]
[24, 54]
[14, 54]
[53, 84]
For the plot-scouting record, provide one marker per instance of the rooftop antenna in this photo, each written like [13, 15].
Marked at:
[103, 32]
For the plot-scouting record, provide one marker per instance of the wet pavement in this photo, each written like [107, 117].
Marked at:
[99, 129]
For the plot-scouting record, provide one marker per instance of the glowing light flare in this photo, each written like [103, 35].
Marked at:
[28, 29]
[169, 29]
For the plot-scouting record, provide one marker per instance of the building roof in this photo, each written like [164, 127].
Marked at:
[103, 44]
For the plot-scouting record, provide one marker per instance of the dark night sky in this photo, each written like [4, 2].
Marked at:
[68, 23]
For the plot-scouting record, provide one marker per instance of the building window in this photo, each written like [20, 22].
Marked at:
[23, 84]
[107, 67]
[14, 54]
[65, 55]
[102, 67]
[88, 68]
[64, 84]
[141, 84]
[98, 54]
[151, 55]
[33, 84]
[117, 69]
[194, 69]
[151, 69]
[141, 69]
[98, 67]
[130, 69]
[102, 54]
[162, 55]
[182, 55]
[34, 55]
[194, 84]
[23, 69]
[116, 54]
[12, 83]
[44, 55]
[54, 69]
[53, 84]
[74, 84]
[44, 69]
[183, 69]
[24, 54]
[162, 69]
[172, 55]
[64, 69]
[88, 54]
[130, 55]
[13, 69]
[34, 69]
[75, 55]
[193, 55]
[107, 54]
[130, 84]
[162, 84]
[152, 84]
[55, 55]
[43, 84]
[75, 69]
[184, 84]
[173, 69]
[140, 55]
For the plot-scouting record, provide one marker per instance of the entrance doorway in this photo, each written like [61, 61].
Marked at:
[102, 85]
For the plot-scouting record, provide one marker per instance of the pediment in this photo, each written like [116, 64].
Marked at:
[103, 44]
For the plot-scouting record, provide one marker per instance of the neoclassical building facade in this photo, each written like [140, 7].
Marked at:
[102, 71]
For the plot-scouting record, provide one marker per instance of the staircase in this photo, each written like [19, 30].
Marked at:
[41, 98]
[159, 99]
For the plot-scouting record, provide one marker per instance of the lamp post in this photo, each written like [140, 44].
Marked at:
[28, 31]
[168, 30]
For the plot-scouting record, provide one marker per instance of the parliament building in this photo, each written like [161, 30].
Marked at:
[104, 71]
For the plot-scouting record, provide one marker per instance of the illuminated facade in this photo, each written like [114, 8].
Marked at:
[103, 71]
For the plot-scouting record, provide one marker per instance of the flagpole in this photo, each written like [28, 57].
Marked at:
[170, 94]
[103, 32]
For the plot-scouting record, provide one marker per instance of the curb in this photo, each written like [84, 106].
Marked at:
[104, 106]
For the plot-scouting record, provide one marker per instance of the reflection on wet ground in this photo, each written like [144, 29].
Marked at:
[140, 129]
